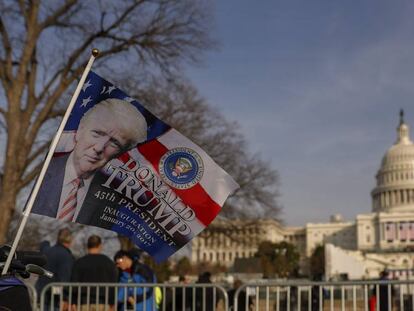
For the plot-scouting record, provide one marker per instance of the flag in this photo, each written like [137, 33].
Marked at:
[118, 167]
[404, 230]
[411, 231]
[390, 232]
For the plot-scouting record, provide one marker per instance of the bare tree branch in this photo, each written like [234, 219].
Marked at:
[53, 19]
[153, 35]
[6, 64]
[30, 176]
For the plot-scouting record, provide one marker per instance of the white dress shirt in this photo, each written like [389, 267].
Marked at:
[70, 175]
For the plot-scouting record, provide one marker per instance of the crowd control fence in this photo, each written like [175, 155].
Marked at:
[324, 296]
[133, 296]
[253, 296]
[32, 293]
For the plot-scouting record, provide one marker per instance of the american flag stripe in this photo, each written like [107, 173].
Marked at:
[215, 182]
[204, 207]
[66, 142]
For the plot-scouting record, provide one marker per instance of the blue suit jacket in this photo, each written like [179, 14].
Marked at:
[47, 200]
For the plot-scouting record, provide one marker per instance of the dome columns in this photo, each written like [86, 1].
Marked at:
[395, 178]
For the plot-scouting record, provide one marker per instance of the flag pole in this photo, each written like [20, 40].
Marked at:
[30, 202]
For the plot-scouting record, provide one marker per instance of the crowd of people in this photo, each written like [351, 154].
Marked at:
[126, 267]
[95, 267]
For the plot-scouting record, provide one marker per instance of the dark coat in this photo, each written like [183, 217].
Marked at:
[59, 261]
[47, 200]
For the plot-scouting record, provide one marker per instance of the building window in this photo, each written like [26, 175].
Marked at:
[411, 231]
[390, 232]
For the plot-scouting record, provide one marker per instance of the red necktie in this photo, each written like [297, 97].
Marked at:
[68, 209]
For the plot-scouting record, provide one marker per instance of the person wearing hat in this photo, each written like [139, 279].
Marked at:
[133, 271]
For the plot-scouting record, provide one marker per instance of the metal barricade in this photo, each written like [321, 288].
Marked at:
[142, 297]
[33, 295]
[255, 296]
[322, 296]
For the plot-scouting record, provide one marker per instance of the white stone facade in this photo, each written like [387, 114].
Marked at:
[225, 240]
[381, 239]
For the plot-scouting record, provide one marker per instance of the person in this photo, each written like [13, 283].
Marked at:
[108, 129]
[372, 301]
[183, 296]
[386, 292]
[59, 261]
[133, 271]
[158, 297]
[241, 300]
[94, 267]
[205, 296]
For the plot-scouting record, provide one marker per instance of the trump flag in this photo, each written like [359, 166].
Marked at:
[118, 167]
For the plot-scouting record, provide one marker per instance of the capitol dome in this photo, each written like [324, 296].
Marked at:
[395, 178]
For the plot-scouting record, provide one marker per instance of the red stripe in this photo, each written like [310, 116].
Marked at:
[196, 197]
[124, 157]
[70, 198]
[65, 212]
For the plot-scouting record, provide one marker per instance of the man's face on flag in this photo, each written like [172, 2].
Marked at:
[98, 140]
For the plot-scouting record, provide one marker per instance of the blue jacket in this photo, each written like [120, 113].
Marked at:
[140, 273]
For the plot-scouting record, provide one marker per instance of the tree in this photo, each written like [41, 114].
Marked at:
[162, 270]
[38, 72]
[206, 266]
[278, 259]
[317, 262]
[183, 266]
[44, 47]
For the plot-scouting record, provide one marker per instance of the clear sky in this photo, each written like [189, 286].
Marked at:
[316, 87]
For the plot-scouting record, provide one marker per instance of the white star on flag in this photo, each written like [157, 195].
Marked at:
[86, 101]
[86, 85]
[110, 89]
[129, 99]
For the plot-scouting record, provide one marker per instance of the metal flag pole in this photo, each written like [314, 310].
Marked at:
[30, 202]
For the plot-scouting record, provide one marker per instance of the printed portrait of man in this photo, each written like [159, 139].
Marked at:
[107, 130]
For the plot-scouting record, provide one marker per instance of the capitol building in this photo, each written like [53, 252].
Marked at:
[381, 239]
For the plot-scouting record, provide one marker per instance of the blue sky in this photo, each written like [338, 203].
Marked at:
[316, 87]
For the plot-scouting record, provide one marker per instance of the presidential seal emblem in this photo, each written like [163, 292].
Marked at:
[181, 168]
